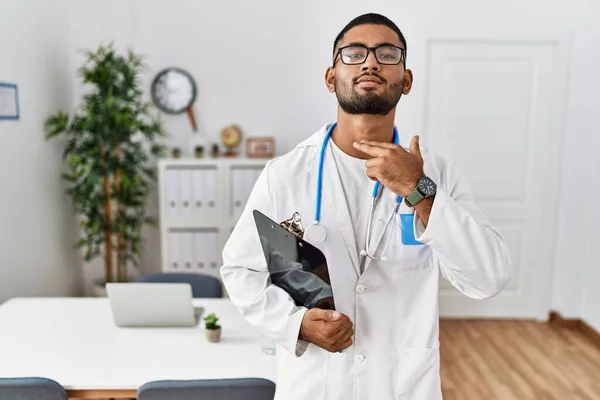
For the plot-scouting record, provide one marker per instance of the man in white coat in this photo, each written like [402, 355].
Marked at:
[381, 342]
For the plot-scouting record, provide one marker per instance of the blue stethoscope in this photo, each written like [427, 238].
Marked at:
[316, 234]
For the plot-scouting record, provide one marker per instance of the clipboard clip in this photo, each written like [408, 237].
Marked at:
[294, 225]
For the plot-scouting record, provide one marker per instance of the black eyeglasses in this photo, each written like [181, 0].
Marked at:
[357, 54]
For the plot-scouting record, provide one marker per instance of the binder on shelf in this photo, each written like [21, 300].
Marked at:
[199, 251]
[212, 251]
[171, 187]
[185, 189]
[237, 192]
[185, 249]
[198, 190]
[173, 252]
[211, 189]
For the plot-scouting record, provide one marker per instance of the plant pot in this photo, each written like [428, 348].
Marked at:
[99, 288]
[213, 335]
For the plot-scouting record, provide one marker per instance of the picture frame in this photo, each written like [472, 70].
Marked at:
[260, 147]
[9, 101]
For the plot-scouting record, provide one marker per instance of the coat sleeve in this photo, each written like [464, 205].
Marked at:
[246, 278]
[471, 253]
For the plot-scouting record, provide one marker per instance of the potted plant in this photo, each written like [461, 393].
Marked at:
[109, 140]
[213, 330]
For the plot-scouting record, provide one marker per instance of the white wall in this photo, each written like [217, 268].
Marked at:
[269, 96]
[36, 229]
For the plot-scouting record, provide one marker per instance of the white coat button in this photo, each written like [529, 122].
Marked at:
[359, 358]
[360, 289]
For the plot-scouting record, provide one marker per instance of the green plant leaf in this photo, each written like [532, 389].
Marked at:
[113, 114]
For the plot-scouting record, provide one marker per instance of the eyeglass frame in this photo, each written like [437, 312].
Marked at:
[369, 50]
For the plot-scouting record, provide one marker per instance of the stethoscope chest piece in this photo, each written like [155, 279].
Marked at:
[315, 233]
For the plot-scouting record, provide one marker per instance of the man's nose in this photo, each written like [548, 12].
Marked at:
[371, 62]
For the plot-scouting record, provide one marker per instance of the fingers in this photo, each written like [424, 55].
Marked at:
[373, 162]
[318, 314]
[346, 344]
[343, 334]
[374, 151]
[385, 145]
[373, 173]
[342, 338]
[414, 147]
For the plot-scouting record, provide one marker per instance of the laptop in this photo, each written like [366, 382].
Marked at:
[152, 304]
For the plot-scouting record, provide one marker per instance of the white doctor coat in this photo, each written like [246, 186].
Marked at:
[393, 305]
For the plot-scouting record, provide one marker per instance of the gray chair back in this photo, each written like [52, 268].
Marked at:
[202, 285]
[208, 389]
[31, 388]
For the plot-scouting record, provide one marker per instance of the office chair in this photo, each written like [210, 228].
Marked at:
[202, 285]
[208, 389]
[31, 388]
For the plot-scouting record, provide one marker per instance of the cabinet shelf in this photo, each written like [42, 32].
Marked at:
[200, 201]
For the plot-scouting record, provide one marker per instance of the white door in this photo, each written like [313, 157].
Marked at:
[491, 107]
[493, 100]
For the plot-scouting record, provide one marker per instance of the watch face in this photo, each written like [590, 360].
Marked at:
[427, 187]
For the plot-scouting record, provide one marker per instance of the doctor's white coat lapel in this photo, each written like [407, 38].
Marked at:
[333, 201]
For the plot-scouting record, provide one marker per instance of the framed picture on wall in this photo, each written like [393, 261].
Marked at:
[260, 147]
[9, 101]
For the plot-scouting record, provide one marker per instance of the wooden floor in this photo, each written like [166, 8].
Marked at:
[517, 360]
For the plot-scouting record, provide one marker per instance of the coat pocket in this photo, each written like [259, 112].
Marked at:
[407, 230]
[405, 253]
[417, 375]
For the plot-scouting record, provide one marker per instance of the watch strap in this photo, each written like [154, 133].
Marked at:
[414, 198]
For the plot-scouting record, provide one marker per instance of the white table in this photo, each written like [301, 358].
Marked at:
[75, 342]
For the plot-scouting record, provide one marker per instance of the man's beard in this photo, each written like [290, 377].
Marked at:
[369, 103]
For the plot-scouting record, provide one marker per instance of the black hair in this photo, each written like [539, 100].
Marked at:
[374, 19]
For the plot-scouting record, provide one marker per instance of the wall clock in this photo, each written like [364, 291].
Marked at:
[174, 91]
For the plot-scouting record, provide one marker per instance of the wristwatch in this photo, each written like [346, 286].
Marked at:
[425, 188]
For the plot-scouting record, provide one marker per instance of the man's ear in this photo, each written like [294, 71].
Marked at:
[408, 80]
[330, 79]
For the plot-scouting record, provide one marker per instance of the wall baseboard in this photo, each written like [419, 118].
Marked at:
[575, 323]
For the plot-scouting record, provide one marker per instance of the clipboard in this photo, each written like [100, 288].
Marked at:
[295, 265]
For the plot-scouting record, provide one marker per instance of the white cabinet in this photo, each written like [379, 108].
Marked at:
[200, 201]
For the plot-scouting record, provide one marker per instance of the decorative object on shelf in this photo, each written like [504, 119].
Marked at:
[213, 330]
[260, 147]
[199, 151]
[231, 136]
[215, 151]
[9, 101]
[109, 179]
[176, 152]
[174, 92]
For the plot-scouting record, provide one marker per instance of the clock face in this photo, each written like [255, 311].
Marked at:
[173, 90]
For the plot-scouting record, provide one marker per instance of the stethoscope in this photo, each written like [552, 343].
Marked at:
[316, 233]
